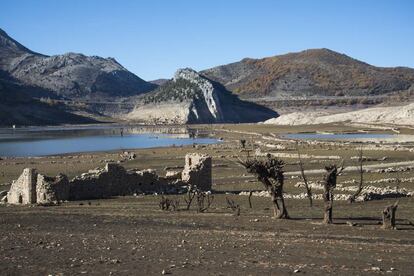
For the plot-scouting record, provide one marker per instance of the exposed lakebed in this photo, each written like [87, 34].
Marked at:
[51, 141]
[338, 136]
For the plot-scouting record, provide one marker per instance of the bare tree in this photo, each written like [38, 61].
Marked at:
[270, 173]
[233, 206]
[175, 204]
[305, 180]
[361, 177]
[250, 199]
[329, 185]
[191, 193]
[397, 183]
[166, 203]
[243, 143]
[204, 201]
[388, 216]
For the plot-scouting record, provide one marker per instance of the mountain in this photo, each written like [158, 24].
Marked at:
[70, 76]
[193, 98]
[17, 107]
[315, 72]
[159, 81]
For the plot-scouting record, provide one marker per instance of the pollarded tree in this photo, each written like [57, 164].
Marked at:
[329, 184]
[270, 173]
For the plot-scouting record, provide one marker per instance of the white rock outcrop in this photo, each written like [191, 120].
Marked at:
[209, 91]
[192, 98]
[395, 115]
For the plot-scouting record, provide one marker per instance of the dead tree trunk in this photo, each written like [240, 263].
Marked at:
[388, 216]
[279, 210]
[328, 188]
[328, 204]
[270, 174]
[361, 177]
[305, 180]
[250, 199]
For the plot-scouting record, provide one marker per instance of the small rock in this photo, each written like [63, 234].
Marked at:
[350, 223]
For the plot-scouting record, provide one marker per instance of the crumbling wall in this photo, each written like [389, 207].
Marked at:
[197, 171]
[114, 180]
[23, 190]
[52, 189]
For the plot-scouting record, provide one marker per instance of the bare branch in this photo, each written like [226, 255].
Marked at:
[305, 180]
[189, 198]
[341, 167]
[204, 201]
[233, 206]
[361, 178]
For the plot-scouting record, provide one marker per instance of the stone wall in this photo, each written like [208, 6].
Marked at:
[197, 171]
[52, 189]
[114, 180]
[23, 190]
[31, 188]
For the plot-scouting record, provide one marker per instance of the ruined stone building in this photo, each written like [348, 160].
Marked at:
[32, 187]
[197, 171]
[113, 180]
[52, 189]
[23, 190]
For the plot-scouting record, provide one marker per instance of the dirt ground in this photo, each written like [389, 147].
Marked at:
[132, 236]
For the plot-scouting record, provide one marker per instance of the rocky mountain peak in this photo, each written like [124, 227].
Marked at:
[206, 86]
[71, 75]
[10, 46]
[190, 97]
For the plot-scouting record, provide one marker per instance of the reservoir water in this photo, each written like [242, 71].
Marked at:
[52, 141]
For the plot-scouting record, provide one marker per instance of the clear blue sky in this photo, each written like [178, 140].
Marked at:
[152, 38]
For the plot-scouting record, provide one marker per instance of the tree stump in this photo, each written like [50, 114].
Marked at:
[328, 187]
[388, 216]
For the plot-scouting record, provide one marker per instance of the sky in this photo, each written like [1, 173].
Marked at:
[153, 38]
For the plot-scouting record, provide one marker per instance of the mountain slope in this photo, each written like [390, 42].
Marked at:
[71, 75]
[193, 98]
[316, 72]
[19, 108]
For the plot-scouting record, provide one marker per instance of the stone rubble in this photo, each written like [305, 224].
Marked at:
[368, 193]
